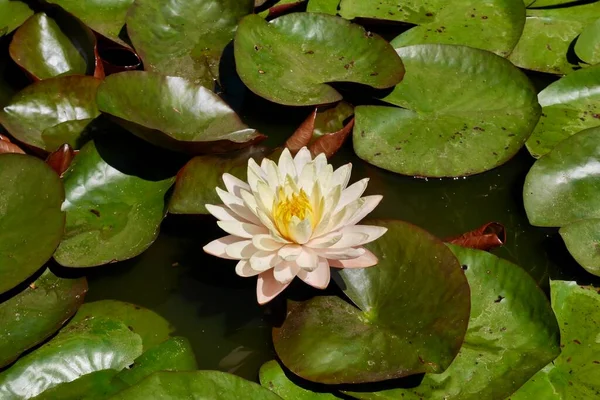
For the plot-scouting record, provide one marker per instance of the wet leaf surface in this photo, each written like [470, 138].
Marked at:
[12, 15]
[486, 237]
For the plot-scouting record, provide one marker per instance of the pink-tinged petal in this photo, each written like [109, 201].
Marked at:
[285, 272]
[370, 203]
[218, 247]
[300, 231]
[241, 229]
[264, 260]
[267, 287]
[352, 193]
[325, 241]
[370, 232]
[223, 213]
[307, 260]
[340, 254]
[290, 252]
[244, 270]
[319, 278]
[241, 250]
[286, 164]
[267, 242]
[234, 185]
[350, 239]
[341, 176]
[366, 260]
[302, 158]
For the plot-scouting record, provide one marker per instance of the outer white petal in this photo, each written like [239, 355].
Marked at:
[217, 247]
[236, 205]
[352, 193]
[300, 231]
[286, 164]
[241, 250]
[267, 242]
[341, 176]
[267, 287]
[290, 252]
[285, 272]
[319, 278]
[366, 260]
[255, 174]
[371, 232]
[370, 202]
[302, 158]
[325, 241]
[307, 260]
[234, 185]
[223, 213]
[264, 260]
[243, 269]
[340, 254]
[320, 162]
[241, 229]
[350, 239]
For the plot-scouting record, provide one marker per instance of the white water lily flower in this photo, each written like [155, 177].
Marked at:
[294, 218]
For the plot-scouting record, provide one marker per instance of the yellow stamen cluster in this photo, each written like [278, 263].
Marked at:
[287, 207]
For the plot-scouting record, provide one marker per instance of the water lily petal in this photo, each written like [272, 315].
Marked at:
[371, 232]
[241, 229]
[234, 185]
[350, 239]
[319, 278]
[255, 174]
[302, 158]
[244, 270]
[223, 213]
[307, 177]
[341, 176]
[265, 195]
[368, 259]
[341, 254]
[300, 231]
[236, 205]
[352, 193]
[242, 250]
[290, 252]
[307, 260]
[274, 178]
[286, 164]
[264, 260]
[320, 162]
[325, 241]
[217, 247]
[370, 202]
[285, 272]
[267, 287]
[267, 242]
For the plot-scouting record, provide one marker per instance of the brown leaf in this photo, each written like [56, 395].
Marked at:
[302, 136]
[486, 237]
[60, 159]
[6, 146]
[330, 143]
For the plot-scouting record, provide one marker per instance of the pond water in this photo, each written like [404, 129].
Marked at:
[217, 311]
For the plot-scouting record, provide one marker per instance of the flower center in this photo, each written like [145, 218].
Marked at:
[288, 207]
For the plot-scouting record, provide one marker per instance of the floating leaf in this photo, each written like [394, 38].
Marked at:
[548, 37]
[290, 60]
[570, 105]
[97, 385]
[273, 377]
[91, 345]
[105, 17]
[175, 354]
[332, 119]
[575, 373]
[49, 103]
[185, 38]
[111, 216]
[196, 182]
[174, 113]
[281, 7]
[588, 43]
[31, 316]
[31, 221]
[12, 14]
[562, 187]
[583, 242]
[486, 237]
[6, 146]
[61, 159]
[152, 328]
[471, 123]
[415, 309]
[323, 6]
[202, 384]
[512, 335]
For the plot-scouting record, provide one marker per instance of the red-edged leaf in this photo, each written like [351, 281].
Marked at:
[280, 9]
[302, 136]
[115, 57]
[330, 143]
[486, 237]
[60, 159]
[6, 146]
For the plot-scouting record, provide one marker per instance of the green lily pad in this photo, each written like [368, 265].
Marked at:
[273, 377]
[111, 216]
[583, 242]
[471, 123]
[569, 106]
[31, 220]
[105, 17]
[42, 49]
[332, 119]
[195, 385]
[196, 182]
[12, 14]
[547, 3]
[37, 312]
[175, 354]
[98, 385]
[291, 59]
[493, 25]
[152, 328]
[174, 113]
[563, 186]
[74, 133]
[91, 345]
[588, 43]
[185, 38]
[574, 375]
[48, 103]
[323, 6]
[549, 34]
[414, 308]
[512, 335]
